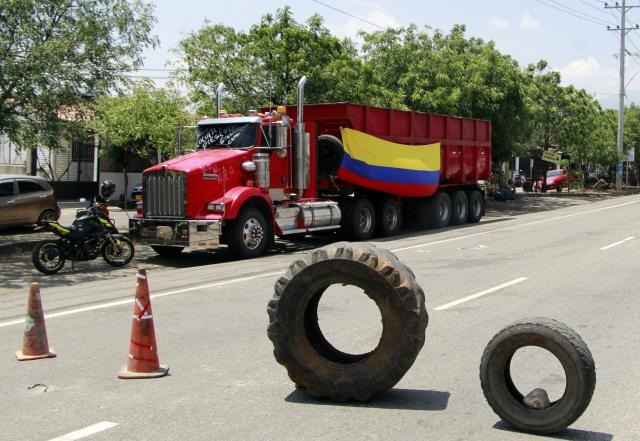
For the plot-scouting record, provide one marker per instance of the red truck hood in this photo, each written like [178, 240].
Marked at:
[199, 160]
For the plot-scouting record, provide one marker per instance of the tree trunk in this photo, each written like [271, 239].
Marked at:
[34, 161]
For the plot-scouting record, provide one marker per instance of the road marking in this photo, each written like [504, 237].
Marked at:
[480, 294]
[615, 244]
[87, 431]
[515, 227]
[243, 279]
[153, 296]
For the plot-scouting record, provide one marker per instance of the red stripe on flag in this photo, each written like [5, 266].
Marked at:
[414, 190]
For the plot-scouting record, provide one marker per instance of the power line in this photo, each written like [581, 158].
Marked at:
[582, 15]
[350, 15]
[599, 9]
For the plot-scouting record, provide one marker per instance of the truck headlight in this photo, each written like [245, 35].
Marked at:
[248, 166]
[215, 207]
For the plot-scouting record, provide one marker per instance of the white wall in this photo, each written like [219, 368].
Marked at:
[118, 178]
[12, 159]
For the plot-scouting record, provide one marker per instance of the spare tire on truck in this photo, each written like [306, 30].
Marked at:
[330, 152]
[509, 403]
[312, 362]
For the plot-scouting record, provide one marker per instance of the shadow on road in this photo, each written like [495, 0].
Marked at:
[16, 270]
[400, 399]
[534, 204]
[567, 434]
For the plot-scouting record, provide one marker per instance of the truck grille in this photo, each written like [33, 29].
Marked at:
[164, 194]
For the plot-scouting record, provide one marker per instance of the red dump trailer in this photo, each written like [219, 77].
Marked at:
[315, 167]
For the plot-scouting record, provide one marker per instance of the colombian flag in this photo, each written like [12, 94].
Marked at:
[404, 170]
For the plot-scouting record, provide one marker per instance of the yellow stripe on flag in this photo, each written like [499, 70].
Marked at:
[376, 151]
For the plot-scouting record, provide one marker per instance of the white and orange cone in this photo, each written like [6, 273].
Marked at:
[143, 352]
[34, 342]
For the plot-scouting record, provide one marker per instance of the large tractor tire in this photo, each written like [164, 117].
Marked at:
[312, 362]
[509, 403]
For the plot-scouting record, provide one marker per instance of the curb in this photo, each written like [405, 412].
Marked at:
[8, 249]
[578, 194]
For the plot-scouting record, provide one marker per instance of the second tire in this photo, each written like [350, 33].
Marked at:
[311, 360]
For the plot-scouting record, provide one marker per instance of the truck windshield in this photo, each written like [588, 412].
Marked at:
[227, 135]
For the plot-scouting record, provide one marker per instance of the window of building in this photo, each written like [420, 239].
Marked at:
[82, 151]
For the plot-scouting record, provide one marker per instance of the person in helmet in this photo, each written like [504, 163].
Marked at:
[107, 188]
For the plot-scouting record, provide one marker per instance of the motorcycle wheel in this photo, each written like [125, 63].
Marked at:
[120, 254]
[48, 257]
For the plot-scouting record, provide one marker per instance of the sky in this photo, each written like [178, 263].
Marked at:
[571, 35]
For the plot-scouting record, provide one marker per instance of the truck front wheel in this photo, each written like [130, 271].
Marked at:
[250, 234]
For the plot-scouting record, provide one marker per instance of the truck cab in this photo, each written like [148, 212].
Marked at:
[271, 173]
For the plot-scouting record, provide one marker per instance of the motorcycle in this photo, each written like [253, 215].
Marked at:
[520, 179]
[91, 234]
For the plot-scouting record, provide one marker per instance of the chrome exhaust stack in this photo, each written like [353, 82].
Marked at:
[302, 144]
[219, 92]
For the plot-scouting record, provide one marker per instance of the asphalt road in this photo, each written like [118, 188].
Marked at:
[577, 264]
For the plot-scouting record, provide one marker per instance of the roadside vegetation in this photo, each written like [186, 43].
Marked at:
[74, 56]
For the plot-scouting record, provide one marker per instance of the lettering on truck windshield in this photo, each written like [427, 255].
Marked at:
[229, 135]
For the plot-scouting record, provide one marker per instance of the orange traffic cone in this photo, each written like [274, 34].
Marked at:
[34, 342]
[143, 356]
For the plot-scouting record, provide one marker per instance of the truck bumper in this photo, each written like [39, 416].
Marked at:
[195, 234]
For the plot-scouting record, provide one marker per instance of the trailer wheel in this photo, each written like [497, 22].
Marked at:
[359, 221]
[476, 206]
[439, 210]
[460, 208]
[507, 401]
[312, 362]
[388, 217]
[250, 234]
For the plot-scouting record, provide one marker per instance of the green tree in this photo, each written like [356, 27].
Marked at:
[262, 66]
[53, 54]
[142, 123]
[450, 74]
[604, 150]
[568, 119]
[632, 130]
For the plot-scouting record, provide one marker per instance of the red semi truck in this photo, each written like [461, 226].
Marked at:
[315, 167]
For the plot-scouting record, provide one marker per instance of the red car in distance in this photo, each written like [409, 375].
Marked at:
[556, 179]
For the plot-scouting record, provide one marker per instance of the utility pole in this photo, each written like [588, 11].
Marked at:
[623, 36]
